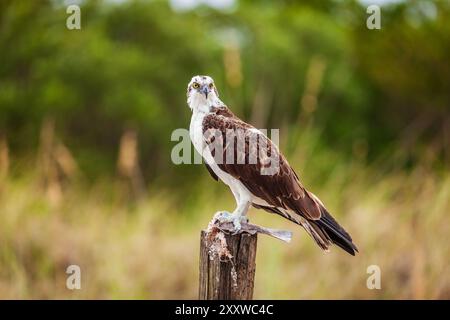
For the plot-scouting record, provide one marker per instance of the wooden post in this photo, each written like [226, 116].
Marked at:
[229, 278]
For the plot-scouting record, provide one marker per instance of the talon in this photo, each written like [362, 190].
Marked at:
[235, 219]
[237, 226]
[223, 216]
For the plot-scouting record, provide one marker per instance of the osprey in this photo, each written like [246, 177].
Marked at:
[215, 132]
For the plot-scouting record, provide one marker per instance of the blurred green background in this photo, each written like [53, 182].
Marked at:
[86, 117]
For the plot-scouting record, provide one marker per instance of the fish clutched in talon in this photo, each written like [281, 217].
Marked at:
[225, 217]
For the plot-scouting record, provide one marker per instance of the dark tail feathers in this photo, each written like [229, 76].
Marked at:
[335, 232]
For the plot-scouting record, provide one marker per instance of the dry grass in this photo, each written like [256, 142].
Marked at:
[149, 250]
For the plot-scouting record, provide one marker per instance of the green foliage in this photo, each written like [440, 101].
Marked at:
[129, 65]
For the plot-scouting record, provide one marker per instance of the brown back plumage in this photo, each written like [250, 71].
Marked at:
[282, 190]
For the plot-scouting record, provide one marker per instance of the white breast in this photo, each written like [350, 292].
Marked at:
[196, 135]
[196, 130]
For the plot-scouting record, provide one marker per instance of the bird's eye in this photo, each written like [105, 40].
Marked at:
[195, 85]
[211, 85]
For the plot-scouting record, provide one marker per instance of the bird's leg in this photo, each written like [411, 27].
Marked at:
[238, 216]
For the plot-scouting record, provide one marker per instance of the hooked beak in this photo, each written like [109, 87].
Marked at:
[205, 91]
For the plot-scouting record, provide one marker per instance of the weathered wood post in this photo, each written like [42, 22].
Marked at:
[227, 260]
[227, 265]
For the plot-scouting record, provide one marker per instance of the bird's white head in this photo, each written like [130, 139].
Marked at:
[202, 94]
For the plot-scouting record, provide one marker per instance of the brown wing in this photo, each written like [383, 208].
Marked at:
[281, 187]
[252, 154]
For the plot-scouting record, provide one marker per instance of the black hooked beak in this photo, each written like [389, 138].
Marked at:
[205, 91]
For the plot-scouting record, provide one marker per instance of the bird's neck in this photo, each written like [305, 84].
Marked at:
[200, 105]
